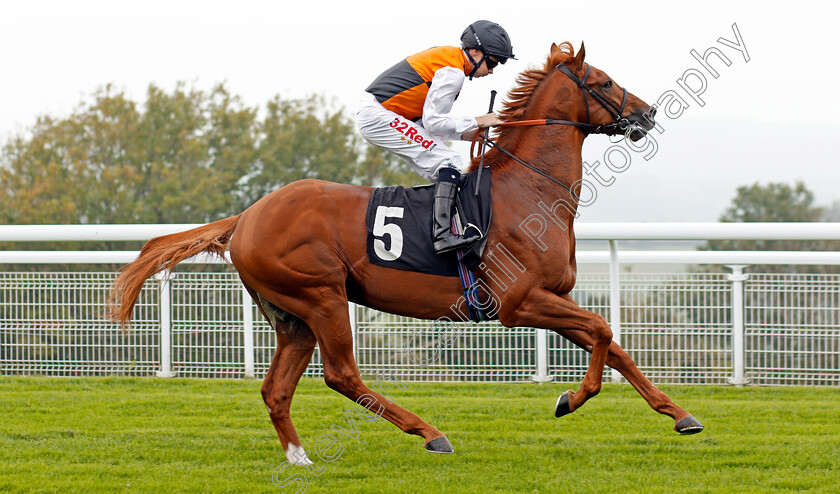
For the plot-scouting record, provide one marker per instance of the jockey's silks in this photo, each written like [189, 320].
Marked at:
[403, 88]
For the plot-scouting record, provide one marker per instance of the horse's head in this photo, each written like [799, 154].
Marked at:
[592, 97]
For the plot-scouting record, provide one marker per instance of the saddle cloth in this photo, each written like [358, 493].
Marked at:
[400, 226]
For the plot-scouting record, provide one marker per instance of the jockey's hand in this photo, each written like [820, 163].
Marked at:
[488, 120]
[469, 135]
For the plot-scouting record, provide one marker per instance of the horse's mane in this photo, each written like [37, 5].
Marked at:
[527, 82]
[519, 97]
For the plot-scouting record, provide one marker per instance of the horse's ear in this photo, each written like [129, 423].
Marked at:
[581, 54]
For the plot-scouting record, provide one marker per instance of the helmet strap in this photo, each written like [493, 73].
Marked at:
[472, 60]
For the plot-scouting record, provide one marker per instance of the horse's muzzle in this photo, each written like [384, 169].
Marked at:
[641, 123]
[648, 115]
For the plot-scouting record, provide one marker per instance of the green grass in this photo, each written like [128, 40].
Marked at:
[186, 435]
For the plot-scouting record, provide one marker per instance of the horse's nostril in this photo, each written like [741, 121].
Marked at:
[651, 112]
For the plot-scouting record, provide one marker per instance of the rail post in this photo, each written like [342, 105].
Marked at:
[165, 308]
[541, 376]
[352, 309]
[615, 302]
[248, 332]
[737, 277]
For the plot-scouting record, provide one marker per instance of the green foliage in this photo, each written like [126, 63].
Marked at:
[775, 202]
[177, 161]
[379, 167]
[187, 156]
[182, 435]
[307, 139]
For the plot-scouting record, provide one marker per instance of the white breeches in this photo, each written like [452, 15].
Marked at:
[425, 153]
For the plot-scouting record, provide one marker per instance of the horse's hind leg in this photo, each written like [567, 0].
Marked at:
[618, 359]
[331, 325]
[295, 345]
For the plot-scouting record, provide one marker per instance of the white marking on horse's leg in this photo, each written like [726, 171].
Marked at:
[297, 455]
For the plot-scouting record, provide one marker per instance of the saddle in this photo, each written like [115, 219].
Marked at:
[400, 224]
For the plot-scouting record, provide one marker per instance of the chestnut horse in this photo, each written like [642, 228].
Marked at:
[300, 252]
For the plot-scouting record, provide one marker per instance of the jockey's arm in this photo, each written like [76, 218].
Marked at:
[437, 117]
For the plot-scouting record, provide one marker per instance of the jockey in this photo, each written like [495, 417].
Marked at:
[406, 110]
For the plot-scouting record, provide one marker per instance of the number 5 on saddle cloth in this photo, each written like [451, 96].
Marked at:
[400, 225]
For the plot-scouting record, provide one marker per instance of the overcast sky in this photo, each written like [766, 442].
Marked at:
[772, 118]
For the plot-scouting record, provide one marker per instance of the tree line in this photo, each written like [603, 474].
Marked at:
[185, 156]
[777, 202]
[180, 156]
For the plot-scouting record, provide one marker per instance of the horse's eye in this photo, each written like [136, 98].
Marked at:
[607, 85]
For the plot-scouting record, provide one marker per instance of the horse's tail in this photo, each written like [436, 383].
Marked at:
[164, 253]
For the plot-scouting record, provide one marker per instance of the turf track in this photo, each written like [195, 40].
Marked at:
[188, 435]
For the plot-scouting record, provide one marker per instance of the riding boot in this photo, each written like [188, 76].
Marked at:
[445, 190]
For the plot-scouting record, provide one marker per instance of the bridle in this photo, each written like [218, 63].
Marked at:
[620, 124]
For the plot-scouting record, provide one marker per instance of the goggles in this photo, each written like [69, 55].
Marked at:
[492, 63]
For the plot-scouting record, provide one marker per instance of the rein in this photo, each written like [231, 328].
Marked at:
[621, 124]
[486, 141]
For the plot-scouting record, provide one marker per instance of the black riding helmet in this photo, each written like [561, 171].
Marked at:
[489, 38]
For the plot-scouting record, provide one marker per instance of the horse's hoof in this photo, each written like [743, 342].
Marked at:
[439, 445]
[688, 425]
[563, 406]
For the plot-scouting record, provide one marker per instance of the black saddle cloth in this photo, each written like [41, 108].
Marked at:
[400, 226]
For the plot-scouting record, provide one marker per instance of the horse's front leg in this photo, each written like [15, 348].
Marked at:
[544, 309]
[618, 359]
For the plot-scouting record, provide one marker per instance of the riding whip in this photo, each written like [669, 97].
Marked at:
[484, 145]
